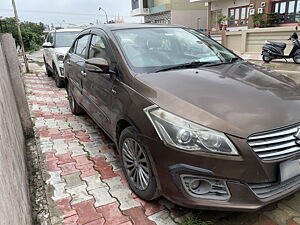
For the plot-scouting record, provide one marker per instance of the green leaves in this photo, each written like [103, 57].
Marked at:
[32, 33]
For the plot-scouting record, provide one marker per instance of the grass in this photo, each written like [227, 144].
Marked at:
[195, 219]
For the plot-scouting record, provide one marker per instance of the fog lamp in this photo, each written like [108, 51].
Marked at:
[206, 188]
[195, 184]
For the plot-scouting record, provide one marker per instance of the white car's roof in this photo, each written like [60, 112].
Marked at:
[67, 30]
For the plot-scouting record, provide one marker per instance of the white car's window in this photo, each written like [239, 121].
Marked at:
[50, 38]
[64, 39]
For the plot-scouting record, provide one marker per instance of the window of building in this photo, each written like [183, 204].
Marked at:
[288, 11]
[238, 16]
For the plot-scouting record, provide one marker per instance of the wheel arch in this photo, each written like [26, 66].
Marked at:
[122, 124]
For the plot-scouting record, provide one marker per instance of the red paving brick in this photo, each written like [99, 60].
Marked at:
[82, 160]
[65, 158]
[68, 168]
[52, 166]
[152, 207]
[97, 222]
[112, 214]
[50, 156]
[263, 220]
[292, 222]
[72, 220]
[65, 207]
[87, 212]
[138, 216]
[86, 170]
[104, 168]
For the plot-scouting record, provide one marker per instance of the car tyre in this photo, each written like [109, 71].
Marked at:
[75, 108]
[58, 81]
[136, 165]
[48, 71]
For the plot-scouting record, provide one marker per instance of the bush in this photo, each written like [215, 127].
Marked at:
[32, 33]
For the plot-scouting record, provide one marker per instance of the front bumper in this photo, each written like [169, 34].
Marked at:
[239, 172]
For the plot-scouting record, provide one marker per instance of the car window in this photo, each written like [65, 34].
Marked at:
[50, 38]
[99, 48]
[65, 39]
[81, 46]
[153, 49]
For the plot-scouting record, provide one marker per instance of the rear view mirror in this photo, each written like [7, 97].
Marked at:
[100, 64]
[47, 45]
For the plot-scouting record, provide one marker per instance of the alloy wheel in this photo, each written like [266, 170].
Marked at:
[136, 164]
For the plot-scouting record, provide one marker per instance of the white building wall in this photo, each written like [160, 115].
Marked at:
[190, 18]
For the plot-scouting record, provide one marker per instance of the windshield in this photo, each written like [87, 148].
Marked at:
[65, 39]
[154, 49]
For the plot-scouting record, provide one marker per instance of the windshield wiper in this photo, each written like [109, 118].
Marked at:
[232, 60]
[197, 64]
[184, 66]
[229, 61]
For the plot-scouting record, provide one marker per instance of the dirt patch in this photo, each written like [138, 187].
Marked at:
[40, 212]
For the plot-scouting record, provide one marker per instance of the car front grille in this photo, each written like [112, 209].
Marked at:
[266, 190]
[275, 144]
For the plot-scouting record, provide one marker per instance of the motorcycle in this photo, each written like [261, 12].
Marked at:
[275, 50]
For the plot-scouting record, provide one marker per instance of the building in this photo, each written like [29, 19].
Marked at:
[239, 13]
[182, 12]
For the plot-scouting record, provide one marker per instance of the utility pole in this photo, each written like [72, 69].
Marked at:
[20, 36]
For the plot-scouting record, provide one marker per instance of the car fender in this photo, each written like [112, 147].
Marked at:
[56, 63]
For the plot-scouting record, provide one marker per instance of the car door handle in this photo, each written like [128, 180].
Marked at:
[83, 73]
[113, 91]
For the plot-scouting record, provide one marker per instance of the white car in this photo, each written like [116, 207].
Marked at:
[56, 46]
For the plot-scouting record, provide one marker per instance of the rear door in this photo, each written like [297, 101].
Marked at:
[75, 65]
[98, 86]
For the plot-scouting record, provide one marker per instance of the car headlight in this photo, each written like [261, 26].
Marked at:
[60, 57]
[186, 135]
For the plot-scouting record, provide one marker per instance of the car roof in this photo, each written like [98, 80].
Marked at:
[67, 30]
[122, 26]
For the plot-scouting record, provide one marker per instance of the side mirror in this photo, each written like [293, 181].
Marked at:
[47, 45]
[98, 65]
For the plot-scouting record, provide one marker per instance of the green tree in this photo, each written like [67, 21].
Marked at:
[32, 33]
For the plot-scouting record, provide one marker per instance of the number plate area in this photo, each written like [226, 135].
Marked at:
[289, 169]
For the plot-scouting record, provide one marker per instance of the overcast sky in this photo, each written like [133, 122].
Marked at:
[79, 12]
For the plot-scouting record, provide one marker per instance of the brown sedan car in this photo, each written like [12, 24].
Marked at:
[192, 121]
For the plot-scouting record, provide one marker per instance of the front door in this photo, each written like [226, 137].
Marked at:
[49, 51]
[97, 87]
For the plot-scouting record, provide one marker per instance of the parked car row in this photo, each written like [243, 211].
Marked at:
[191, 120]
